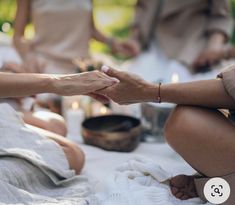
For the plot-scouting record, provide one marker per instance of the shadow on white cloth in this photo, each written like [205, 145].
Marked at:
[140, 181]
[127, 178]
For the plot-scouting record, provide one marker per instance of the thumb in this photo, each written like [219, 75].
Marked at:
[112, 72]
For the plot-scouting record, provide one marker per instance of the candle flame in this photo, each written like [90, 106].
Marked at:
[75, 105]
[103, 110]
[175, 78]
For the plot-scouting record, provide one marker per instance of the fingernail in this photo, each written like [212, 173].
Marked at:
[105, 68]
[116, 80]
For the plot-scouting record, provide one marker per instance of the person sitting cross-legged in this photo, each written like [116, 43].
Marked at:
[196, 129]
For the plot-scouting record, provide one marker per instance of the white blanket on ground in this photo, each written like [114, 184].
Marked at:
[34, 169]
[139, 182]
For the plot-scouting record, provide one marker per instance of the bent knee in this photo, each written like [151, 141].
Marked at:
[179, 121]
[75, 156]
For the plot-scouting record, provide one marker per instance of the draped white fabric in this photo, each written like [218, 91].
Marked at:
[34, 169]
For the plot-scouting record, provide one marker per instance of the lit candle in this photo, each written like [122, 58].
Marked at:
[103, 110]
[75, 117]
[175, 78]
[99, 109]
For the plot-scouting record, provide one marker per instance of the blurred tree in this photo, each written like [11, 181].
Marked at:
[111, 16]
[115, 2]
[7, 13]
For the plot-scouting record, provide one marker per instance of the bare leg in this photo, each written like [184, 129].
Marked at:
[205, 139]
[74, 154]
[47, 121]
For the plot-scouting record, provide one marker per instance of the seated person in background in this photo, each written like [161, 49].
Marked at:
[63, 31]
[218, 55]
[184, 31]
[196, 129]
[20, 85]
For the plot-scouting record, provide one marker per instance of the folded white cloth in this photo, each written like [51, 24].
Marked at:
[34, 169]
[139, 182]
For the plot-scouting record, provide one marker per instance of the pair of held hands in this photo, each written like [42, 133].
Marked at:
[121, 87]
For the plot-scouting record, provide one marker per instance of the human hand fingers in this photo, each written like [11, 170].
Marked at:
[99, 97]
[113, 73]
[132, 47]
[96, 80]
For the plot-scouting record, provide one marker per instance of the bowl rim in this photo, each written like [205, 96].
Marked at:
[84, 127]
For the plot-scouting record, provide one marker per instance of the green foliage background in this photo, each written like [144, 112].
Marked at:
[117, 14]
[7, 12]
[111, 16]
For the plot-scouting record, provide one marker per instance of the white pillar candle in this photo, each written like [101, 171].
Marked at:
[175, 78]
[75, 117]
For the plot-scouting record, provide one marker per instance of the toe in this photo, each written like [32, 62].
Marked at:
[174, 190]
[179, 195]
[179, 181]
[185, 197]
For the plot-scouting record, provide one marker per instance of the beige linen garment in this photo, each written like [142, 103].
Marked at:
[183, 25]
[63, 31]
[228, 78]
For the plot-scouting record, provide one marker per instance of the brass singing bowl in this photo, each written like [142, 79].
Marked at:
[112, 132]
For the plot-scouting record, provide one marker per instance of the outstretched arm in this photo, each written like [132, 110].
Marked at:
[127, 48]
[206, 93]
[21, 20]
[132, 89]
[18, 85]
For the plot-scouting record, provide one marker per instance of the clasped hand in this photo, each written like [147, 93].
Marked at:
[130, 88]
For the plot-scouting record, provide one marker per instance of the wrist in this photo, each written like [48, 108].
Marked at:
[54, 84]
[151, 93]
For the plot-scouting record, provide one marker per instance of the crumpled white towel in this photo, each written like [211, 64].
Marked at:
[139, 182]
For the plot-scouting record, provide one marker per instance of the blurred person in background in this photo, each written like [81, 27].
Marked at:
[200, 128]
[184, 34]
[63, 30]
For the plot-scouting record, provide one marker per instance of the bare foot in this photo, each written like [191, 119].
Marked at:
[183, 187]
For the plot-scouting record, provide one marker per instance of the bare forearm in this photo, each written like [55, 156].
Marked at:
[17, 85]
[97, 35]
[21, 20]
[207, 93]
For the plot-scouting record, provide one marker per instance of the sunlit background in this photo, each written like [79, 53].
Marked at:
[111, 16]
